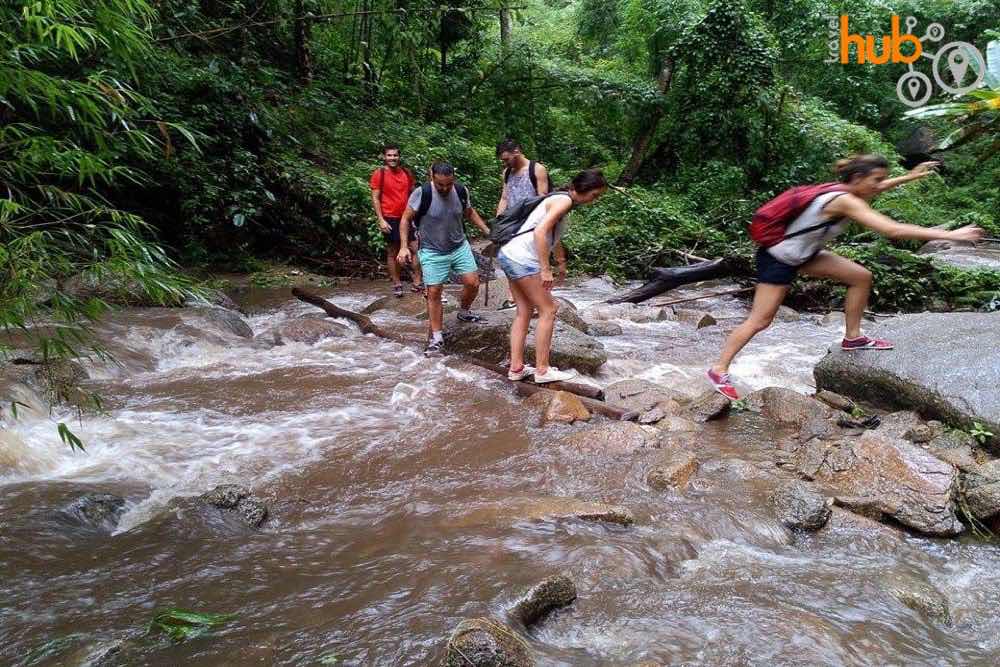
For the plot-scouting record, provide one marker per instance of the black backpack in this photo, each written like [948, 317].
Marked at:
[427, 196]
[532, 176]
[507, 226]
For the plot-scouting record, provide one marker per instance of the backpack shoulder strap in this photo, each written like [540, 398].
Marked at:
[381, 183]
[463, 195]
[506, 174]
[426, 197]
[532, 176]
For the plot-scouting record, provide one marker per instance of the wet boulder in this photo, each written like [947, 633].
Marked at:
[790, 408]
[919, 596]
[710, 405]
[239, 501]
[672, 470]
[786, 314]
[799, 506]
[677, 424]
[489, 340]
[565, 408]
[211, 297]
[409, 305]
[224, 320]
[97, 511]
[961, 254]
[308, 330]
[660, 411]
[613, 438]
[484, 642]
[492, 294]
[946, 366]
[699, 319]
[543, 598]
[638, 395]
[893, 476]
[835, 401]
[639, 314]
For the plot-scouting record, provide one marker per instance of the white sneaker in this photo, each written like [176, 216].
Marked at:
[554, 375]
[521, 374]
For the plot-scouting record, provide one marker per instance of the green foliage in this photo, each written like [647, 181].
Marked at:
[981, 434]
[181, 625]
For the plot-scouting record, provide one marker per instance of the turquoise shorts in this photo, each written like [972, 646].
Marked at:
[438, 266]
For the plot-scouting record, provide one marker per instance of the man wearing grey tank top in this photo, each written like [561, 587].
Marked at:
[523, 179]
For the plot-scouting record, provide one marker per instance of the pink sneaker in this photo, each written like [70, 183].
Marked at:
[865, 343]
[722, 384]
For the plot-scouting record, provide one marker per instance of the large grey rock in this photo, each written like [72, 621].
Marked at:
[225, 320]
[211, 297]
[945, 366]
[597, 328]
[490, 340]
[710, 405]
[543, 598]
[408, 305]
[799, 506]
[483, 642]
[892, 476]
[672, 470]
[961, 254]
[492, 293]
[638, 395]
[640, 314]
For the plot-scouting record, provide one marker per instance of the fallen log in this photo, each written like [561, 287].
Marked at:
[591, 396]
[703, 296]
[667, 278]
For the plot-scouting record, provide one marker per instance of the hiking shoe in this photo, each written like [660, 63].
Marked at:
[517, 376]
[507, 305]
[554, 375]
[398, 291]
[468, 317]
[434, 349]
[417, 288]
[723, 385]
[865, 343]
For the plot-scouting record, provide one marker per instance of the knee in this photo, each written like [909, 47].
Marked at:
[863, 278]
[758, 324]
[548, 310]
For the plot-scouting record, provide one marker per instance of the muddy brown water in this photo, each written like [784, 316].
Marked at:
[398, 487]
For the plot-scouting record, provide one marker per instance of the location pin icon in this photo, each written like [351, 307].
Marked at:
[958, 64]
[914, 86]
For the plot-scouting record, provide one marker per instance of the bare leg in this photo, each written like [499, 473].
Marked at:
[857, 278]
[541, 299]
[767, 299]
[435, 312]
[391, 250]
[519, 328]
[470, 288]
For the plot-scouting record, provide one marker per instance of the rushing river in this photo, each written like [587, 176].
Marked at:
[396, 486]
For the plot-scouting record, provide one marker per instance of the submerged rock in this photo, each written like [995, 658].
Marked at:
[308, 330]
[597, 328]
[544, 509]
[799, 506]
[483, 642]
[543, 598]
[672, 471]
[239, 499]
[490, 341]
[946, 366]
[613, 438]
[919, 596]
[99, 511]
[628, 311]
[891, 475]
[699, 319]
[226, 320]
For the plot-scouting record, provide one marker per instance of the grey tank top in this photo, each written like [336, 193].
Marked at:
[519, 188]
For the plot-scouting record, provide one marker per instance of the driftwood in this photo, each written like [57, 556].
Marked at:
[591, 396]
[670, 277]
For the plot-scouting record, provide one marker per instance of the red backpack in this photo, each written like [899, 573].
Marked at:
[769, 223]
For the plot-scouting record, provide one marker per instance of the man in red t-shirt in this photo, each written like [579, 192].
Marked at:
[391, 187]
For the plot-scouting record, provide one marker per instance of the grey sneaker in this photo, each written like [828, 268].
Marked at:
[468, 317]
[434, 349]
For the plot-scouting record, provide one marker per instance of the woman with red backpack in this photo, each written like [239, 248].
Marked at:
[792, 231]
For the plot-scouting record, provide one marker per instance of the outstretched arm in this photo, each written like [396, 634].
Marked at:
[404, 236]
[857, 209]
[918, 172]
[473, 216]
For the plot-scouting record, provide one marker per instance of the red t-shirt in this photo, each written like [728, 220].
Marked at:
[396, 186]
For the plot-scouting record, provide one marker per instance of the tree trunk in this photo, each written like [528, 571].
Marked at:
[504, 30]
[303, 56]
[591, 397]
[668, 278]
[648, 127]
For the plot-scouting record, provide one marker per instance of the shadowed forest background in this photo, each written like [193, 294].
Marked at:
[138, 136]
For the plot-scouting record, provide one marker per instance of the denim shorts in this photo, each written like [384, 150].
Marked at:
[516, 270]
